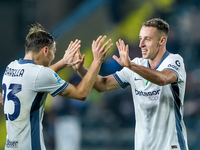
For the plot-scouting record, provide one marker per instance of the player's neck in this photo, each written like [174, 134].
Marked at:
[154, 62]
[32, 56]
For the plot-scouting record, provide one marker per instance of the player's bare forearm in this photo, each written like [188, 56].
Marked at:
[158, 77]
[102, 84]
[1, 99]
[90, 78]
[81, 91]
[82, 72]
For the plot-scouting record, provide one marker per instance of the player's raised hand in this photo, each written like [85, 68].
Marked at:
[1, 99]
[68, 58]
[124, 59]
[78, 56]
[99, 50]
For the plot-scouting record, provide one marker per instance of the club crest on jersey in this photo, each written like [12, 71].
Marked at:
[57, 77]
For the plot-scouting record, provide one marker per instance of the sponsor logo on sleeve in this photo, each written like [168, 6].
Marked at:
[178, 64]
[57, 77]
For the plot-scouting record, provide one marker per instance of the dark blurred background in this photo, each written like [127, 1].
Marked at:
[105, 121]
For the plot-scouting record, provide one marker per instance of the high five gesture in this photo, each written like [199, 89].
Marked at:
[123, 49]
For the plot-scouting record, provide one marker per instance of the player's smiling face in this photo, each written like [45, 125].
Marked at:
[149, 42]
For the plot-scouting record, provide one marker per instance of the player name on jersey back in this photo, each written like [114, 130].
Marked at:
[14, 72]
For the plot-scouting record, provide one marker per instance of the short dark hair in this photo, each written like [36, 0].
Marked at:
[158, 23]
[37, 38]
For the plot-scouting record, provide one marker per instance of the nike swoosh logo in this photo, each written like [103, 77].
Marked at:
[137, 79]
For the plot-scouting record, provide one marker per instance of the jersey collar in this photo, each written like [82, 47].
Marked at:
[163, 58]
[25, 61]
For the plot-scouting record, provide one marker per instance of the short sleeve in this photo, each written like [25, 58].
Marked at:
[49, 81]
[123, 76]
[175, 63]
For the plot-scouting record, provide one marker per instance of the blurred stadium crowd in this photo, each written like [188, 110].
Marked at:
[105, 121]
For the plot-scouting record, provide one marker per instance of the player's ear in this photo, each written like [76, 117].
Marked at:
[45, 50]
[163, 40]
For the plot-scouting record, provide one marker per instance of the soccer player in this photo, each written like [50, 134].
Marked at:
[27, 81]
[158, 85]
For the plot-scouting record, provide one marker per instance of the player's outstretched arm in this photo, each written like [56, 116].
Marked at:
[102, 84]
[158, 77]
[99, 53]
[68, 58]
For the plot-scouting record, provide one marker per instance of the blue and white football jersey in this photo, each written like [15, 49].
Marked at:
[158, 109]
[25, 88]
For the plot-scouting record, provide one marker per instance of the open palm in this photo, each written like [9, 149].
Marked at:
[69, 55]
[124, 59]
